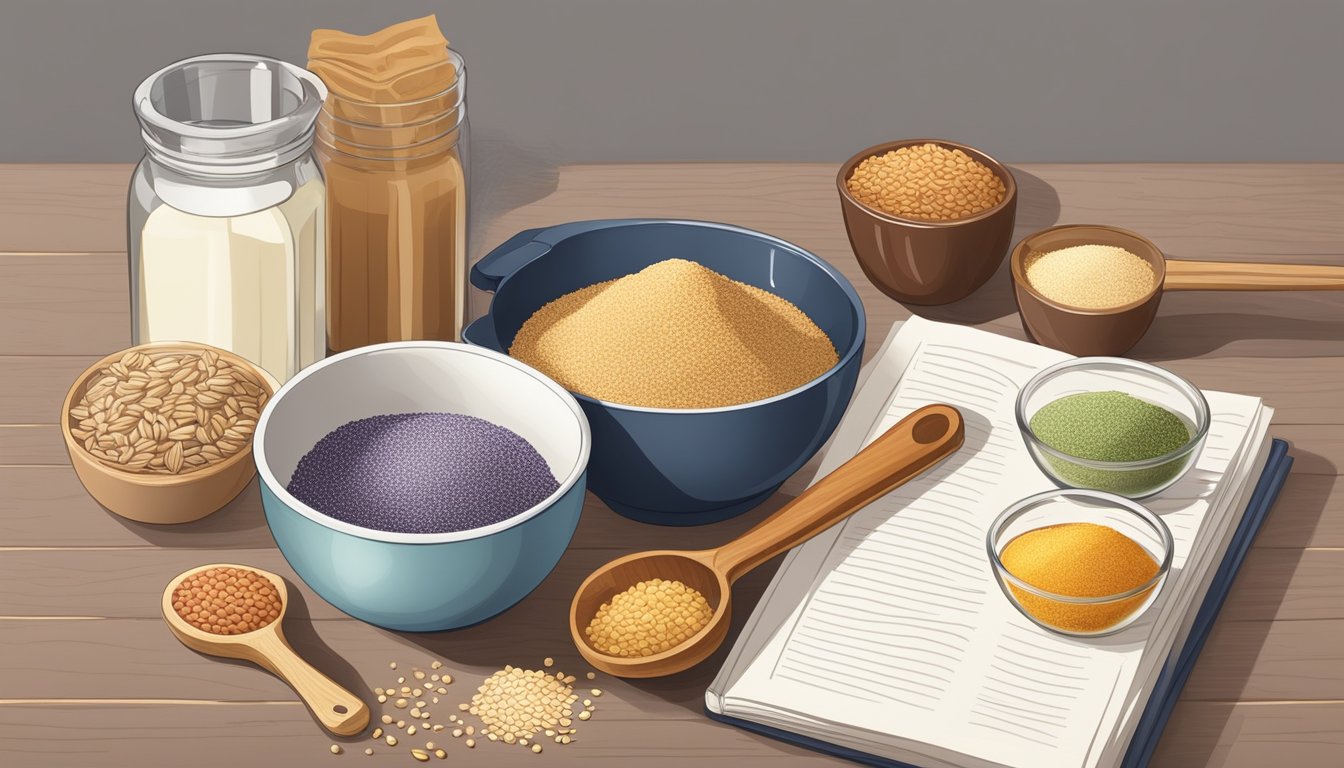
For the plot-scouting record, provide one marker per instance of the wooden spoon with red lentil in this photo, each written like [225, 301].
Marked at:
[235, 612]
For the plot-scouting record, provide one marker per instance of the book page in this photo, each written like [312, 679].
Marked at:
[1252, 466]
[901, 628]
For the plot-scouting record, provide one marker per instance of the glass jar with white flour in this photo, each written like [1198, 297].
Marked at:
[227, 209]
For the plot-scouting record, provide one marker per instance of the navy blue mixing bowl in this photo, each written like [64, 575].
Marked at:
[683, 466]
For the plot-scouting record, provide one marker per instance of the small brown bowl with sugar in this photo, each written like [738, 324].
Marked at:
[928, 219]
[162, 432]
[1092, 290]
[1101, 296]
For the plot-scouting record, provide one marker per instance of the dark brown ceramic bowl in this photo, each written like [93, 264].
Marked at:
[928, 262]
[1108, 332]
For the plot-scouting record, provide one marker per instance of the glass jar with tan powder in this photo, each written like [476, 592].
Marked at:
[397, 204]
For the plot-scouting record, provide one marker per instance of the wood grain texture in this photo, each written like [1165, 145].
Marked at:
[226, 736]
[1243, 660]
[218, 735]
[1269, 685]
[32, 387]
[1251, 735]
[32, 444]
[74, 303]
[63, 208]
[1275, 583]
[1270, 661]
[47, 507]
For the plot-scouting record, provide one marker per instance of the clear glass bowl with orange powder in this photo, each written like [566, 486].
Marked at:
[1078, 562]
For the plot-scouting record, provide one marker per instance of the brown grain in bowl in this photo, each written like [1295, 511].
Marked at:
[927, 182]
[167, 411]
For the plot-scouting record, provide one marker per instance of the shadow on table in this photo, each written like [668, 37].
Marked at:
[300, 631]
[1177, 336]
[516, 178]
[1200, 741]
[1037, 208]
[240, 524]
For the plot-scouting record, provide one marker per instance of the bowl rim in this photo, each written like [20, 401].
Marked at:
[843, 358]
[1017, 266]
[1099, 498]
[1001, 170]
[1203, 413]
[75, 447]
[269, 479]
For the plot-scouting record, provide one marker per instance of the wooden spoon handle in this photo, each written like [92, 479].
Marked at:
[337, 709]
[1234, 276]
[911, 446]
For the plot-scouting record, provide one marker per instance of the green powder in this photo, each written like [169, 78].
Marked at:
[1111, 426]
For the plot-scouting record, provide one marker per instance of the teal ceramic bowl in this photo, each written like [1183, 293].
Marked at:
[409, 581]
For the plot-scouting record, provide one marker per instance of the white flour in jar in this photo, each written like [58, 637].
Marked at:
[245, 283]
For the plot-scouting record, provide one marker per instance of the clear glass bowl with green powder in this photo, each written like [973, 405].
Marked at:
[1111, 424]
[1078, 562]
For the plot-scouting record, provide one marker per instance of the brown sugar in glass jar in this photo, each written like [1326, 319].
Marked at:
[396, 215]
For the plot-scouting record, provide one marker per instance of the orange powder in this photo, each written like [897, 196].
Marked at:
[1079, 560]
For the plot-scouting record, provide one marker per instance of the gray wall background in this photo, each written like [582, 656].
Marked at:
[561, 81]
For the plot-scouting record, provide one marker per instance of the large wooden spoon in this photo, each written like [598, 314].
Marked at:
[914, 444]
[337, 709]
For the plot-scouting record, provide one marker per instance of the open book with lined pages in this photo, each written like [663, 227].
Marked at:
[887, 637]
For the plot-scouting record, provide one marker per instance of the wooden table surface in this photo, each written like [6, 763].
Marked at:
[89, 675]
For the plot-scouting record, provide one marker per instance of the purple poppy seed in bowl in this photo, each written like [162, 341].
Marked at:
[422, 473]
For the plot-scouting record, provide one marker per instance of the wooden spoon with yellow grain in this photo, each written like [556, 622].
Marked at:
[911, 446]
[337, 709]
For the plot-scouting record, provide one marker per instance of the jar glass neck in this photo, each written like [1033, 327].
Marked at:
[228, 114]
[448, 103]
[409, 130]
[232, 195]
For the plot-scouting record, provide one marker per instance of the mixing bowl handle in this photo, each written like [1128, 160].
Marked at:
[526, 246]
[481, 333]
[509, 257]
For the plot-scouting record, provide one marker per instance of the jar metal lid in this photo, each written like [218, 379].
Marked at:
[228, 113]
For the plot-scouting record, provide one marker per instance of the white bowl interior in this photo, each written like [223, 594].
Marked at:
[418, 377]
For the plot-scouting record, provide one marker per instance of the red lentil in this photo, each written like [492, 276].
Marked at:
[227, 601]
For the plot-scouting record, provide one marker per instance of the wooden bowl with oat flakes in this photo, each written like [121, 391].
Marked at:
[162, 432]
